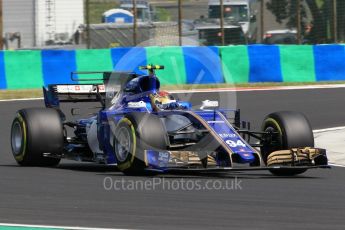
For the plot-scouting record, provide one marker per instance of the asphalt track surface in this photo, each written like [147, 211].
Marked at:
[74, 195]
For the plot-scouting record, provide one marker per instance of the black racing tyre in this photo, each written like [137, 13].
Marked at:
[34, 132]
[294, 132]
[135, 133]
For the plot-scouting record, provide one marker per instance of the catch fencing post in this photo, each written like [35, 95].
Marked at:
[262, 18]
[335, 21]
[180, 22]
[1, 28]
[135, 25]
[299, 32]
[87, 11]
[222, 21]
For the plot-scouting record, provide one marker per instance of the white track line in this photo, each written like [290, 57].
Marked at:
[337, 165]
[56, 227]
[22, 99]
[238, 89]
[329, 129]
[263, 88]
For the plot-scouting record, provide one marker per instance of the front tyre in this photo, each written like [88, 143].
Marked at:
[34, 133]
[293, 131]
[134, 134]
[125, 147]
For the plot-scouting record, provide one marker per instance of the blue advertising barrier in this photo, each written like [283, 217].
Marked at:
[203, 65]
[193, 65]
[329, 62]
[264, 62]
[57, 66]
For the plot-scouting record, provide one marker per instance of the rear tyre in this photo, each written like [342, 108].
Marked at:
[36, 132]
[294, 131]
[134, 134]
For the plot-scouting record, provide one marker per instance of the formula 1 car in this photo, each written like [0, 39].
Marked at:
[142, 129]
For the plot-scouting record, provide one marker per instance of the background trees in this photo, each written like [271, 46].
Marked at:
[321, 17]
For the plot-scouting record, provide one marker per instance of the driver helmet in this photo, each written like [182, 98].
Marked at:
[163, 97]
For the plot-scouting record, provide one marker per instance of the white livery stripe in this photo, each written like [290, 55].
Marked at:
[80, 88]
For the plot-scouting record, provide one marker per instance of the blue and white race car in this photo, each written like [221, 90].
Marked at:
[140, 128]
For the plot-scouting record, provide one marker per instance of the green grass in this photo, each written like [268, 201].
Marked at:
[17, 94]
[37, 93]
[163, 15]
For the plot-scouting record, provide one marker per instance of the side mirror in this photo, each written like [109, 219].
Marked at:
[209, 104]
[253, 18]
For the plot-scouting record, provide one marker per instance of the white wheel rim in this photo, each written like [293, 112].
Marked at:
[123, 144]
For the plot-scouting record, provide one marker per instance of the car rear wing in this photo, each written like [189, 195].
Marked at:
[73, 93]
